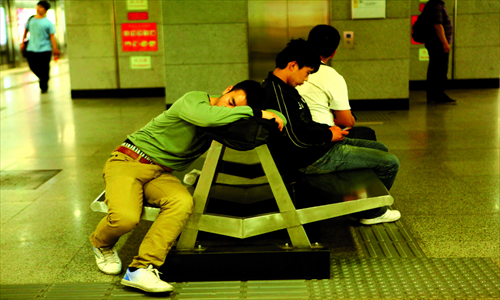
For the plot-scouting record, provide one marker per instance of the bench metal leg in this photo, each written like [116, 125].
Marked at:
[289, 217]
[188, 236]
[295, 229]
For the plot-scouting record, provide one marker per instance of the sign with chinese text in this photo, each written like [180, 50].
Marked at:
[137, 4]
[140, 62]
[423, 54]
[139, 37]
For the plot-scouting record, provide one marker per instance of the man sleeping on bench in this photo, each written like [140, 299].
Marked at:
[314, 148]
[140, 169]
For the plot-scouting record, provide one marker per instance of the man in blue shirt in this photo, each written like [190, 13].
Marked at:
[41, 44]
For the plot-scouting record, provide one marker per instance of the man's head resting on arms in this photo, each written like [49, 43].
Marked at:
[296, 62]
[247, 92]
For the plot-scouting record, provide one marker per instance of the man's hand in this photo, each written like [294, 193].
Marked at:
[338, 134]
[446, 48]
[56, 52]
[22, 46]
[270, 115]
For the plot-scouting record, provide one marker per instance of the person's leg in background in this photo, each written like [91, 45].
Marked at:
[45, 58]
[34, 63]
[39, 63]
[433, 78]
[437, 73]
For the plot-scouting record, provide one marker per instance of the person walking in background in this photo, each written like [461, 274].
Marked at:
[438, 45]
[42, 43]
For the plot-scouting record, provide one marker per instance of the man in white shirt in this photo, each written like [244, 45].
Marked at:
[326, 90]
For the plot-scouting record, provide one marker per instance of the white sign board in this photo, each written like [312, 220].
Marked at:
[137, 4]
[368, 9]
[140, 62]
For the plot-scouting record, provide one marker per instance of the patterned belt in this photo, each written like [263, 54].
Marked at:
[134, 152]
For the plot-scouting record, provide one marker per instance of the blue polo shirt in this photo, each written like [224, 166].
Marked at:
[40, 31]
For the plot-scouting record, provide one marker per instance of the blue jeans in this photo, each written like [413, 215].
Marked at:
[351, 154]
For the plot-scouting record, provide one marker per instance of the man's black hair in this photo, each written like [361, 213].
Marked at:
[44, 4]
[325, 39]
[300, 51]
[256, 94]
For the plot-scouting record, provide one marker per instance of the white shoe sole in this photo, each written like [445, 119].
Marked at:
[111, 273]
[131, 284]
[378, 220]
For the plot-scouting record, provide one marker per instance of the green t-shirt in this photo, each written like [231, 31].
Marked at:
[170, 139]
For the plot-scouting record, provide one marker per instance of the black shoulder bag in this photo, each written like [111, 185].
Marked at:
[25, 52]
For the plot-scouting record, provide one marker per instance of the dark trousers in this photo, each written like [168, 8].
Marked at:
[39, 63]
[437, 72]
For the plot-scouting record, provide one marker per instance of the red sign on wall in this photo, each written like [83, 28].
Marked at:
[139, 37]
[138, 16]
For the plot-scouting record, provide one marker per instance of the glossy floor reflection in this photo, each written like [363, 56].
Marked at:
[447, 188]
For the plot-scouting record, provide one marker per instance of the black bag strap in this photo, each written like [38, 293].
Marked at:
[29, 22]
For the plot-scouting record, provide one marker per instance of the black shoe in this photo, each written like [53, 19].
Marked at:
[44, 91]
[447, 100]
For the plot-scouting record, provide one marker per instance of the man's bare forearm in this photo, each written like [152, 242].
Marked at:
[440, 33]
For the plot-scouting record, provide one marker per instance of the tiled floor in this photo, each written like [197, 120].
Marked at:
[447, 189]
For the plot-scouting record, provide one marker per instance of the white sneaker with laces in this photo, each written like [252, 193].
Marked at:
[146, 279]
[389, 216]
[107, 260]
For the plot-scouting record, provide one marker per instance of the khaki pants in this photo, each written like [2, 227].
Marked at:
[128, 182]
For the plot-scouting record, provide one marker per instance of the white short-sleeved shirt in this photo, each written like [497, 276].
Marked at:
[325, 90]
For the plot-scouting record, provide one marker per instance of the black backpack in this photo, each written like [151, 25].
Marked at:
[244, 134]
[421, 29]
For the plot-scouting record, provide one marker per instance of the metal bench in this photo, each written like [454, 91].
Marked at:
[288, 217]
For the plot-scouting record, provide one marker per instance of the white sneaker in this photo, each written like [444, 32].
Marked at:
[107, 260]
[389, 216]
[146, 279]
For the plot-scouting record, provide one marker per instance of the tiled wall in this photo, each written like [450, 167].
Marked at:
[91, 44]
[378, 66]
[477, 39]
[206, 45]
[203, 45]
[96, 57]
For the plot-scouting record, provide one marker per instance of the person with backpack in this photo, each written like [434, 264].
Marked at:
[437, 41]
[42, 43]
